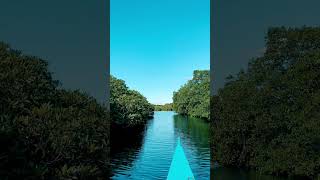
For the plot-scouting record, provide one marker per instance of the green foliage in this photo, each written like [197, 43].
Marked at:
[267, 117]
[128, 108]
[193, 98]
[165, 107]
[46, 132]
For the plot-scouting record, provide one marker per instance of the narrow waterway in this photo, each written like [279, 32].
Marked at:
[149, 155]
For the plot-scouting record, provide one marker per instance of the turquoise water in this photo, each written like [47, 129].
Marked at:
[149, 155]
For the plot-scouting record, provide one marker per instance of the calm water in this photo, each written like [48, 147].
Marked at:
[149, 155]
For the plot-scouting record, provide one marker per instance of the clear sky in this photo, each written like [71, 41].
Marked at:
[156, 44]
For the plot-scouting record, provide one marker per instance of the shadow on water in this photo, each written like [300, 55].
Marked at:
[148, 154]
[197, 130]
[125, 143]
[194, 133]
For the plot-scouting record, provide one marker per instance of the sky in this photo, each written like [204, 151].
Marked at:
[155, 45]
[239, 29]
[71, 35]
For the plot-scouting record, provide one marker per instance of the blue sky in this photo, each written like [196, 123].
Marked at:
[156, 44]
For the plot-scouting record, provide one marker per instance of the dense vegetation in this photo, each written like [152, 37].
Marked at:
[193, 98]
[128, 107]
[47, 132]
[268, 117]
[164, 107]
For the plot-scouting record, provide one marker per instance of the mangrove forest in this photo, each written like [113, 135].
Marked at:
[193, 98]
[47, 132]
[128, 108]
[266, 117]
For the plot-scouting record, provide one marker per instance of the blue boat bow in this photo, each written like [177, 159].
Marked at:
[180, 168]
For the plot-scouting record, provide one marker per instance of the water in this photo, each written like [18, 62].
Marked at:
[149, 155]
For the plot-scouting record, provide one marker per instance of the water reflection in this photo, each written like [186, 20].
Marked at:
[151, 157]
[192, 128]
[123, 153]
[194, 133]
[147, 153]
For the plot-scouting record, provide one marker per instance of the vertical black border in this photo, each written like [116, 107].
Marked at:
[211, 85]
[108, 55]
[107, 63]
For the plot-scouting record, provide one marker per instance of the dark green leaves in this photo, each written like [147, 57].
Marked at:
[46, 132]
[128, 107]
[165, 107]
[193, 98]
[267, 118]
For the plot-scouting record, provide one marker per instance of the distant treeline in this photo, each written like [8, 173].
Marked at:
[164, 107]
[268, 117]
[193, 98]
[47, 132]
[129, 108]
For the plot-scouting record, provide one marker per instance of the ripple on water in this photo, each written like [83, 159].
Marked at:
[152, 160]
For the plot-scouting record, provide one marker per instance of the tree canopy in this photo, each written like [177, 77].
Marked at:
[128, 107]
[267, 117]
[47, 132]
[193, 98]
[164, 107]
